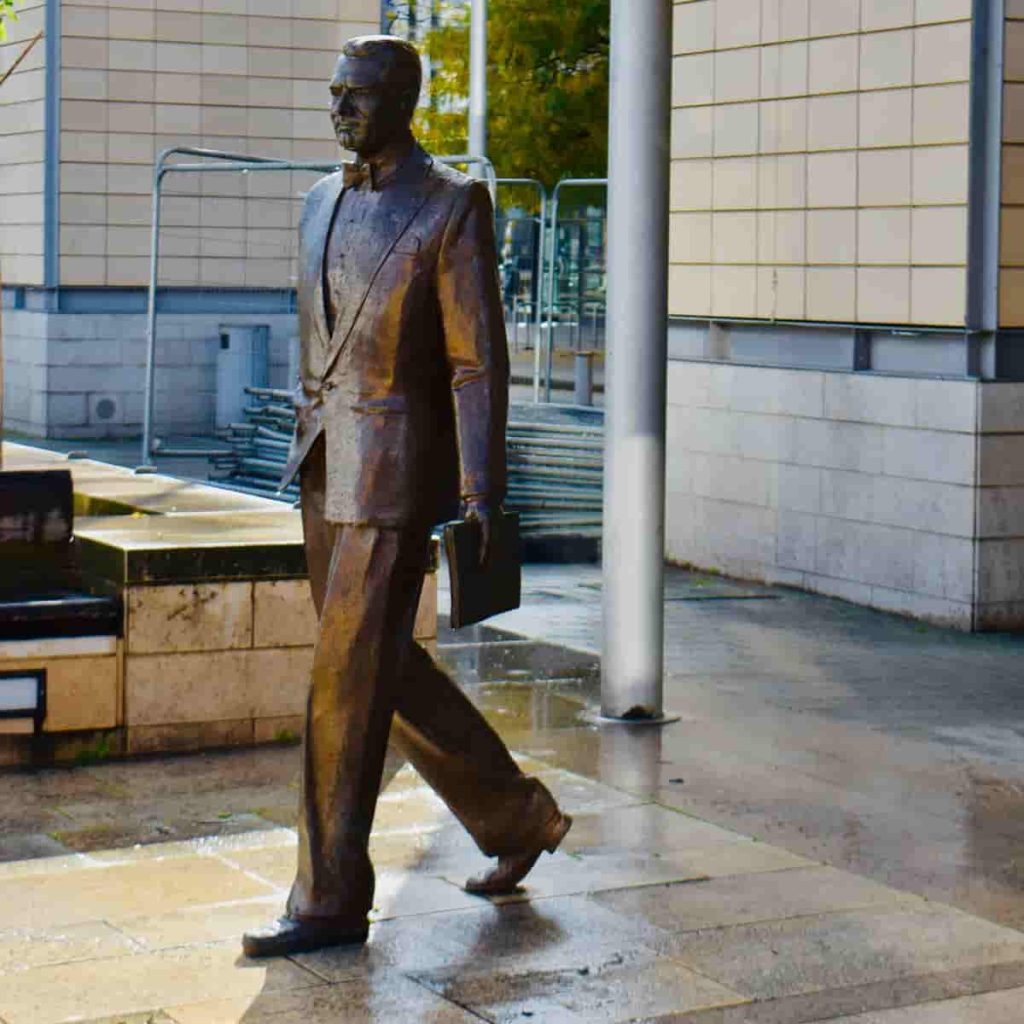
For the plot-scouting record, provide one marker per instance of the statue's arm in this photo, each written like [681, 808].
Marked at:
[477, 349]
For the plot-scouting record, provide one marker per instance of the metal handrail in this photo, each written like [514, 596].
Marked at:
[223, 161]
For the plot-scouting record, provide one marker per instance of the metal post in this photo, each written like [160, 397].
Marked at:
[478, 78]
[632, 666]
[154, 261]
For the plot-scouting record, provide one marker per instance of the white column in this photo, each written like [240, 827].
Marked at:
[634, 487]
[478, 79]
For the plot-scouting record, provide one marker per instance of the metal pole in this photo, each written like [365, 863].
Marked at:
[549, 343]
[632, 666]
[478, 78]
[154, 257]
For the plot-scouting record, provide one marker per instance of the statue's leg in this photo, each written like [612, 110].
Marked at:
[368, 597]
[463, 759]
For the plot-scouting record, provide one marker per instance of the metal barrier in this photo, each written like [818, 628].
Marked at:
[552, 258]
[215, 160]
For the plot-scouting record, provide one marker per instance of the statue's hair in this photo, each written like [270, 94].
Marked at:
[404, 69]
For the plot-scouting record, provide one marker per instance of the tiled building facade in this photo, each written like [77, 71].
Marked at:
[846, 281]
[113, 84]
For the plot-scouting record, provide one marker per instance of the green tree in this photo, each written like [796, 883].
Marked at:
[6, 13]
[547, 78]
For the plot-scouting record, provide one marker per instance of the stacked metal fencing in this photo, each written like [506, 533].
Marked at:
[555, 461]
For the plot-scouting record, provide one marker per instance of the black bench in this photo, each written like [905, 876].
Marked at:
[41, 591]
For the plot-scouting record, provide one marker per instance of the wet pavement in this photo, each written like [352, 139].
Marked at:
[832, 828]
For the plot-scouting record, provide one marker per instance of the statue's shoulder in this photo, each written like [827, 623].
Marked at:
[447, 178]
[327, 184]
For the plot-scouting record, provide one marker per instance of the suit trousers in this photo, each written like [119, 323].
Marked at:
[371, 681]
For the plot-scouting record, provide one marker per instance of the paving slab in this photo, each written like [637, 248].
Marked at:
[802, 969]
[1005, 1007]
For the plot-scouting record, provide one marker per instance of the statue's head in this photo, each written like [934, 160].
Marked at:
[374, 92]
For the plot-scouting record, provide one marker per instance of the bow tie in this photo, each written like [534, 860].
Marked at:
[357, 175]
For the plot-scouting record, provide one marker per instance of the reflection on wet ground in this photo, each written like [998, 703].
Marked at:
[880, 745]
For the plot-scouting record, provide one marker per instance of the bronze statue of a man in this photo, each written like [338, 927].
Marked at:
[402, 407]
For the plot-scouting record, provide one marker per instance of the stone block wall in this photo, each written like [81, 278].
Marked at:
[61, 366]
[898, 493]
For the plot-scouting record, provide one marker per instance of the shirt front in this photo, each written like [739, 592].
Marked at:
[355, 230]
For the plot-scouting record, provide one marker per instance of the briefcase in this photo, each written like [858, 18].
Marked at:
[480, 591]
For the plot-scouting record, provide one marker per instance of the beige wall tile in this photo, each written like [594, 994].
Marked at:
[831, 293]
[1011, 237]
[186, 58]
[832, 179]
[831, 236]
[783, 126]
[942, 53]
[833, 64]
[886, 59]
[83, 177]
[832, 122]
[128, 270]
[926, 11]
[83, 21]
[692, 132]
[200, 617]
[1011, 297]
[734, 237]
[939, 235]
[782, 236]
[83, 209]
[883, 294]
[882, 14]
[179, 27]
[737, 23]
[132, 55]
[940, 174]
[229, 29]
[693, 26]
[884, 177]
[736, 129]
[84, 53]
[833, 17]
[283, 614]
[190, 687]
[689, 291]
[1013, 174]
[81, 692]
[735, 184]
[83, 240]
[83, 84]
[83, 270]
[83, 146]
[691, 185]
[690, 238]
[783, 20]
[782, 181]
[734, 291]
[883, 236]
[1013, 68]
[225, 60]
[886, 118]
[693, 80]
[132, 24]
[737, 75]
[1013, 113]
[937, 295]
[940, 114]
[780, 292]
[784, 70]
[133, 86]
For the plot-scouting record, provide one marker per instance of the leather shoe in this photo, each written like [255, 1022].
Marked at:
[512, 868]
[289, 935]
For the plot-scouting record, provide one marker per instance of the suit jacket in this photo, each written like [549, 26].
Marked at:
[411, 389]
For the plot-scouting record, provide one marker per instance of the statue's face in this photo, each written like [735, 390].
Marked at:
[366, 110]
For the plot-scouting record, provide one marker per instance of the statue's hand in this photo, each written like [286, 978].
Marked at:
[479, 509]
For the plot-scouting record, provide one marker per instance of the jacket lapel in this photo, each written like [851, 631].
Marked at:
[404, 201]
[318, 250]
